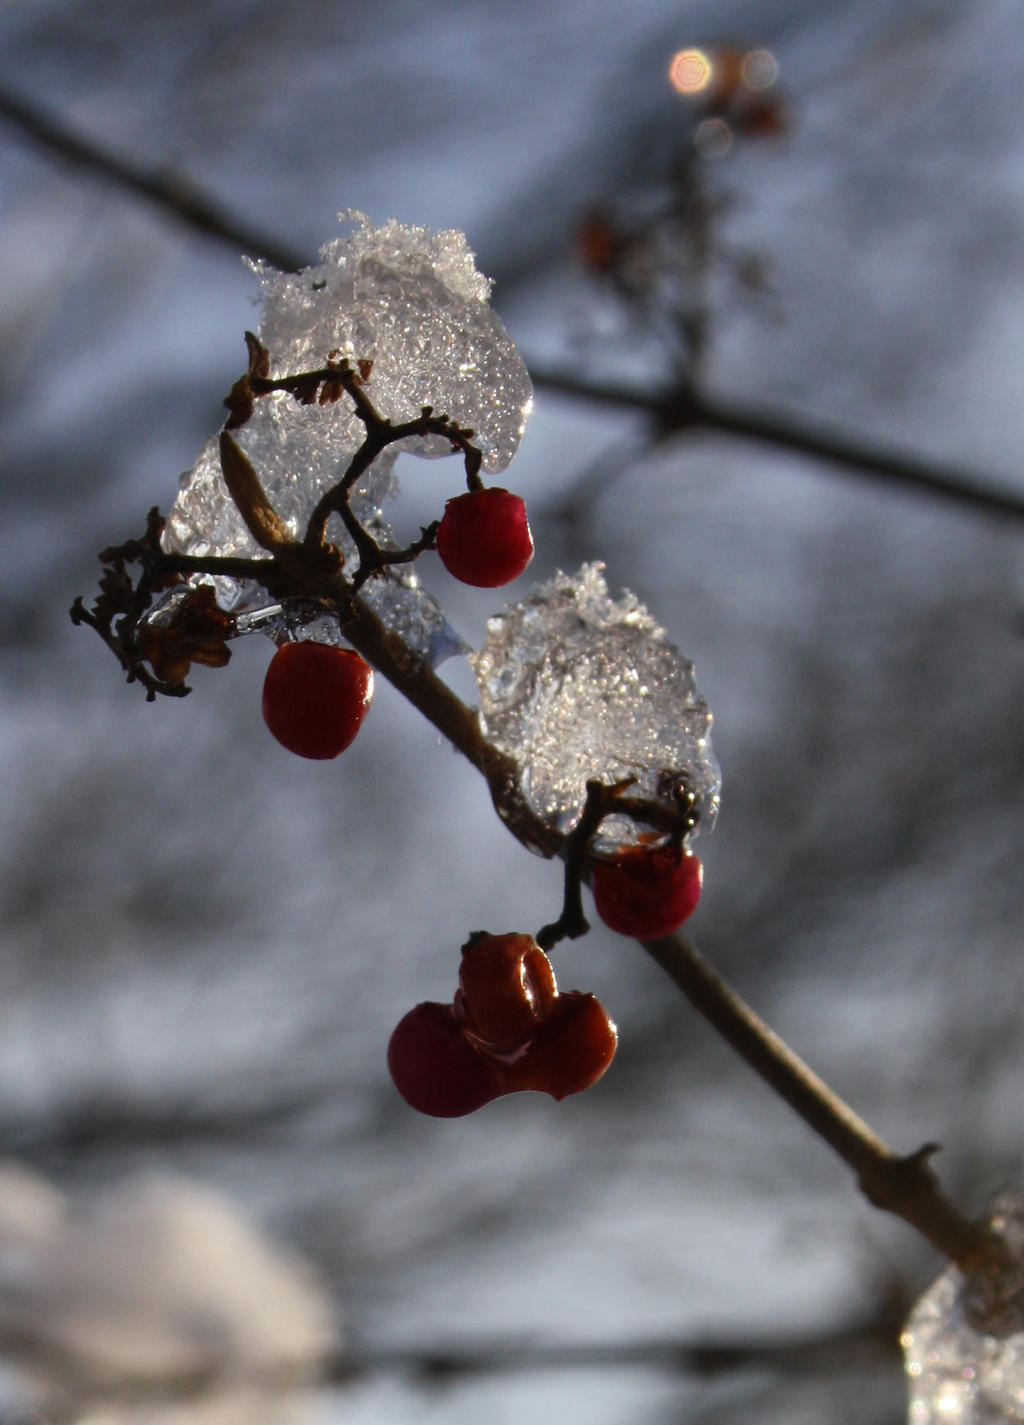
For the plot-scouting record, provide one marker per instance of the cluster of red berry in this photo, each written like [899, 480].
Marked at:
[508, 1029]
[315, 695]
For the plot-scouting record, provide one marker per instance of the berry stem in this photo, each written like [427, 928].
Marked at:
[603, 801]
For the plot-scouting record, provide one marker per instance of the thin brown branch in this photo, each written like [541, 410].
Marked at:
[970, 489]
[674, 412]
[905, 1186]
[172, 193]
[671, 413]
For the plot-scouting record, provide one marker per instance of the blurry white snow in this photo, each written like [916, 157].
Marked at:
[158, 1302]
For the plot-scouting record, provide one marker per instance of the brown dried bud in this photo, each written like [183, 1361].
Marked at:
[194, 631]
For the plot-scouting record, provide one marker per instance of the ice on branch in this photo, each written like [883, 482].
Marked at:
[957, 1373]
[413, 304]
[577, 685]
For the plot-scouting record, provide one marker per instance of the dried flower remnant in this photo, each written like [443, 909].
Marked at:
[957, 1373]
[187, 627]
[575, 685]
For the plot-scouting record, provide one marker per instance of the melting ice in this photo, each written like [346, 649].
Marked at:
[957, 1374]
[414, 304]
[576, 685]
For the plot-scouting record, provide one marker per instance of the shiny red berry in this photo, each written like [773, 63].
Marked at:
[315, 697]
[570, 1049]
[506, 987]
[436, 1069]
[647, 892]
[508, 1030]
[484, 538]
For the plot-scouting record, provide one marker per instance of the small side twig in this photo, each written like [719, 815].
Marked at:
[675, 817]
[324, 386]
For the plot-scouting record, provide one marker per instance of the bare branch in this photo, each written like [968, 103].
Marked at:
[173, 194]
[906, 1186]
[797, 1356]
[674, 412]
[794, 1356]
[671, 413]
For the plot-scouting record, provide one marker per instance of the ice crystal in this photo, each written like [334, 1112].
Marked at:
[397, 597]
[414, 305]
[577, 685]
[959, 1374]
[412, 612]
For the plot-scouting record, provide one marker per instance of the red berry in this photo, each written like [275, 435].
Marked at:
[646, 893]
[570, 1050]
[436, 1069]
[484, 538]
[509, 1030]
[315, 697]
[506, 987]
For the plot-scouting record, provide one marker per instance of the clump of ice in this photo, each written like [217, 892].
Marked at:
[411, 611]
[577, 685]
[397, 597]
[957, 1373]
[412, 303]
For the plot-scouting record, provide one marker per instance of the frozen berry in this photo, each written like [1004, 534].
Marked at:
[484, 538]
[436, 1069]
[646, 893]
[315, 697]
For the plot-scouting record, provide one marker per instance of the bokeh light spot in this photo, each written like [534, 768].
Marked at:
[690, 71]
[713, 138]
[759, 69]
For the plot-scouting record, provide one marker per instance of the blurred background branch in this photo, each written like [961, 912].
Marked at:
[672, 413]
[172, 194]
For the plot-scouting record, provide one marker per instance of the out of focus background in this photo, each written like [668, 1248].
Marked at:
[214, 1206]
